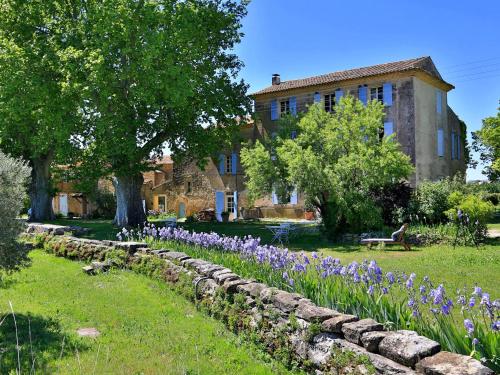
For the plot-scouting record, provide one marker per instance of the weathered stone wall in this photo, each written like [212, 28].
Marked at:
[312, 335]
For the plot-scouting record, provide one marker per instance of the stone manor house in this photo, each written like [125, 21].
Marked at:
[416, 109]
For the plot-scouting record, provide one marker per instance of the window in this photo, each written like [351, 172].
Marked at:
[377, 93]
[162, 203]
[189, 187]
[329, 102]
[230, 202]
[285, 106]
[439, 101]
[229, 164]
[440, 142]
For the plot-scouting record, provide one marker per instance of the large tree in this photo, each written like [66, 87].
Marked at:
[38, 96]
[336, 160]
[486, 142]
[160, 74]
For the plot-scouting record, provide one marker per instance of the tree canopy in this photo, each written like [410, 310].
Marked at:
[39, 96]
[335, 160]
[486, 141]
[159, 74]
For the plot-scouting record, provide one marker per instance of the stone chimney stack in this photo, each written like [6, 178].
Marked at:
[276, 79]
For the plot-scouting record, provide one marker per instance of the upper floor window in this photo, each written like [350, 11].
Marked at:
[377, 93]
[229, 164]
[329, 102]
[285, 106]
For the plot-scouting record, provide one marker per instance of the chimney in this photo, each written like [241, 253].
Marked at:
[276, 79]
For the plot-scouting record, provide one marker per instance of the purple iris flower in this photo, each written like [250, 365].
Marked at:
[469, 326]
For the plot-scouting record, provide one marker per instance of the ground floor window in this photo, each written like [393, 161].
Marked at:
[162, 203]
[230, 202]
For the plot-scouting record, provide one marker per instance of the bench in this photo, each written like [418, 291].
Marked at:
[389, 241]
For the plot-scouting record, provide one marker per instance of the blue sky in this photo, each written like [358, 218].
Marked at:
[301, 38]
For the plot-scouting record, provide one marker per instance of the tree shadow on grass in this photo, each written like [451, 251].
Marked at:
[41, 342]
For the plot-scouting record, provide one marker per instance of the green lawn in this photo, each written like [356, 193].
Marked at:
[145, 327]
[443, 264]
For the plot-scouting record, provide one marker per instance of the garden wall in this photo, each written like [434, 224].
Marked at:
[291, 327]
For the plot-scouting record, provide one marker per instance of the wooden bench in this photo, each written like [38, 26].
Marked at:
[389, 241]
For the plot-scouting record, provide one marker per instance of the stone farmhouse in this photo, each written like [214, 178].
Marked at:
[416, 109]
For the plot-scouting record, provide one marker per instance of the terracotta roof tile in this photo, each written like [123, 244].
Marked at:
[421, 63]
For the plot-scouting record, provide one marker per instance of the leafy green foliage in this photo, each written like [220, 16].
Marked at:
[486, 141]
[39, 92]
[158, 74]
[336, 160]
[144, 325]
[14, 175]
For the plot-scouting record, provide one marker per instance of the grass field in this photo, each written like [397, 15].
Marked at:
[454, 267]
[145, 327]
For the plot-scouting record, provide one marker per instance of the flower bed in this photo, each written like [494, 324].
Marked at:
[465, 322]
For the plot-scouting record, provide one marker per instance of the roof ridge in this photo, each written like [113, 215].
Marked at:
[358, 72]
[361, 67]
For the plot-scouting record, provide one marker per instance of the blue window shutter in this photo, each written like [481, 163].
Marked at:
[317, 97]
[235, 212]
[293, 106]
[219, 204]
[293, 197]
[222, 164]
[363, 94]
[440, 142]
[458, 146]
[439, 101]
[387, 94]
[338, 94]
[453, 145]
[274, 109]
[293, 134]
[234, 162]
[275, 198]
[388, 128]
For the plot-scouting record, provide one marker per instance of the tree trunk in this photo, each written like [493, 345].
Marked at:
[40, 190]
[129, 208]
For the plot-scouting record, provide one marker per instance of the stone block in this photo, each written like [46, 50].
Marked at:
[267, 293]
[253, 289]
[407, 347]
[221, 272]
[209, 269]
[371, 340]
[285, 301]
[353, 331]
[382, 365]
[312, 313]
[334, 325]
[320, 349]
[446, 363]
[231, 285]
[221, 278]
[130, 246]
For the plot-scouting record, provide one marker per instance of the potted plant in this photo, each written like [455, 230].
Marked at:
[225, 216]
[309, 212]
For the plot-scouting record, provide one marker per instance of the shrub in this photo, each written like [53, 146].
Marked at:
[392, 199]
[431, 201]
[14, 175]
[105, 202]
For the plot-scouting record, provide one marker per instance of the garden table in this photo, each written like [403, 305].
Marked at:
[279, 232]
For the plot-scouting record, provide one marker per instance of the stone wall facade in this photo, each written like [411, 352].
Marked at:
[311, 335]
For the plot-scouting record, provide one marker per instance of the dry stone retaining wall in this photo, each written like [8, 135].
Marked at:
[312, 332]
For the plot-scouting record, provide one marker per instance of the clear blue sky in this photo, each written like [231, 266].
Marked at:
[301, 38]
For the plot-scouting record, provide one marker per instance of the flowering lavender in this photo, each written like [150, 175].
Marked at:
[358, 288]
